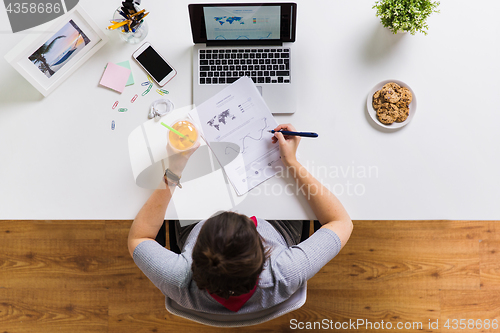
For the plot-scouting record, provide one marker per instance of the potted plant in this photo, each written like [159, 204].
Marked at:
[405, 15]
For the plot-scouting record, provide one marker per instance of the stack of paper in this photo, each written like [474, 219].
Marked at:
[116, 77]
[126, 64]
[238, 120]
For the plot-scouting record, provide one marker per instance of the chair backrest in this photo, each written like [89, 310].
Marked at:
[237, 320]
[175, 248]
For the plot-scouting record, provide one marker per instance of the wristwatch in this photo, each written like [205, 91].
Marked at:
[172, 178]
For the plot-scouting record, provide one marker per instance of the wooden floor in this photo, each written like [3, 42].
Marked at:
[77, 276]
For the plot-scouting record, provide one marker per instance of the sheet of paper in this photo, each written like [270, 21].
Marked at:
[115, 77]
[126, 64]
[204, 184]
[239, 117]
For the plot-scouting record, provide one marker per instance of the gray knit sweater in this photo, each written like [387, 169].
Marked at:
[287, 269]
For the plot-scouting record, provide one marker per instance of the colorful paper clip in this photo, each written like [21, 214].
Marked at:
[113, 125]
[115, 105]
[149, 78]
[134, 98]
[162, 92]
[122, 110]
[145, 83]
[147, 90]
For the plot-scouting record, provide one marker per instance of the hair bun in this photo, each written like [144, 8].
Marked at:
[215, 261]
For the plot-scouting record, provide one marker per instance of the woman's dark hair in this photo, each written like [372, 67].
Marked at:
[228, 255]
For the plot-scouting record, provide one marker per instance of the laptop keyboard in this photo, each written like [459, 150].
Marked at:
[224, 66]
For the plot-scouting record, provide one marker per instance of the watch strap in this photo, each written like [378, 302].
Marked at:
[172, 178]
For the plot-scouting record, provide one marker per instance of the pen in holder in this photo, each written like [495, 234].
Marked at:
[133, 28]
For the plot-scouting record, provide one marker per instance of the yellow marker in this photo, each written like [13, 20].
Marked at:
[117, 25]
[140, 12]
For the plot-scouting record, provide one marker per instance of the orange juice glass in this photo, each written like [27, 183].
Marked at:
[190, 132]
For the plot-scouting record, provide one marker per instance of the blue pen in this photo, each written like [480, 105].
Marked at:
[304, 134]
[123, 14]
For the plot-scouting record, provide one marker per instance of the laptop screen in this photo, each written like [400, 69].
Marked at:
[235, 23]
[243, 23]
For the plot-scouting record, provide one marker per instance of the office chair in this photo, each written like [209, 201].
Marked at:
[238, 320]
[161, 237]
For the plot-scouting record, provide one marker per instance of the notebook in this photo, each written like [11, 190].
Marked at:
[254, 40]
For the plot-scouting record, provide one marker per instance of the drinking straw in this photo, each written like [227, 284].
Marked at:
[177, 132]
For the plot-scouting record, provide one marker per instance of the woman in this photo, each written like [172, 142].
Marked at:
[231, 263]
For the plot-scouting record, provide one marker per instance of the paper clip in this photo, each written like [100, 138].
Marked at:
[162, 91]
[147, 90]
[134, 98]
[122, 110]
[149, 78]
[115, 105]
[113, 125]
[145, 83]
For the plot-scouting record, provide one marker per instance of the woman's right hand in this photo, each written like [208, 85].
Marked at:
[177, 160]
[288, 144]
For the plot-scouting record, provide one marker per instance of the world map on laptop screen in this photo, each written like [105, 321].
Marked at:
[242, 23]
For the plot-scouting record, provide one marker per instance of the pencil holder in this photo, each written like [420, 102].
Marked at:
[135, 35]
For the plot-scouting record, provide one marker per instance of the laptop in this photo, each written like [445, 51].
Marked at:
[245, 39]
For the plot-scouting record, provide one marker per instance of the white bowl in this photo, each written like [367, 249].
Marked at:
[373, 113]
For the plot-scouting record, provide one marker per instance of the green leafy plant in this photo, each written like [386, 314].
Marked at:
[405, 15]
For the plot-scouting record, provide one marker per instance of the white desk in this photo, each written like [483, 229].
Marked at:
[59, 159]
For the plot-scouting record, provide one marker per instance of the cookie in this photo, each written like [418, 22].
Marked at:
[403, 113]
[383, 105]
[376, 104]
[406, 95]
[378, 100]
[391, 95]
[401, 104]
[388, 113]
[392, 85]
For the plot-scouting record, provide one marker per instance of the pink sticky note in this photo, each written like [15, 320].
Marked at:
[115, 77]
